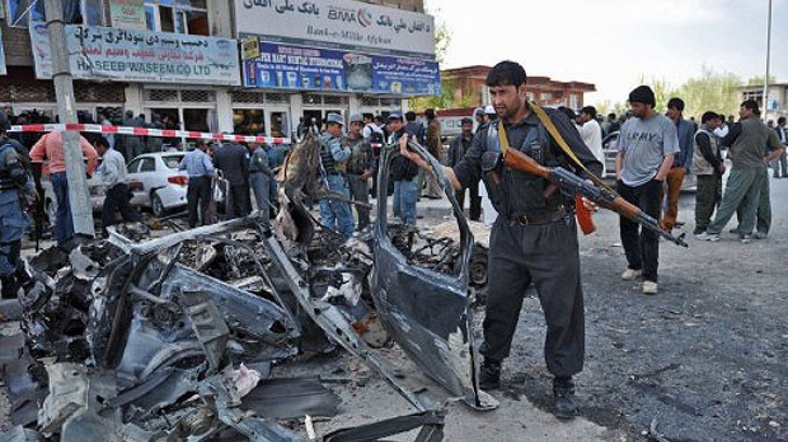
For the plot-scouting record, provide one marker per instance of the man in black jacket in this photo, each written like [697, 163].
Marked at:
[404, 174]
[534, 238]
[233, 160]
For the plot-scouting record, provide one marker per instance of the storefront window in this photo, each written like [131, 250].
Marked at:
[179, 16]
[76, 12]
[249, 121]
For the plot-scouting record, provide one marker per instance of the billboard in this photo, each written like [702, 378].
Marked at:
[99, 53]
[277, 66]
[339, 24]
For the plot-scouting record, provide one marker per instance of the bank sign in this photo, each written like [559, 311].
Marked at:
[339, 24]
[99, 53]
[277, 66]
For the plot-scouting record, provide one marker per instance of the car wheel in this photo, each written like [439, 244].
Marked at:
[158, 207]
[477, 268]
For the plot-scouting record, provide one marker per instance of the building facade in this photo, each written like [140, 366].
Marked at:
[468, 86]
[777, 105]
[236, 66]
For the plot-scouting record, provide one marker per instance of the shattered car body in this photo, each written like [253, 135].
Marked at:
[147, 336]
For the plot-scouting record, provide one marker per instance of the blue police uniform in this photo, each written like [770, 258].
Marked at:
[13, 220]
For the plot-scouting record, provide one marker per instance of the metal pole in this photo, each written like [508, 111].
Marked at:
[81, 209]
[768, 55]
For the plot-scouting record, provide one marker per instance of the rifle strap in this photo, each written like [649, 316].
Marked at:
[548, 124]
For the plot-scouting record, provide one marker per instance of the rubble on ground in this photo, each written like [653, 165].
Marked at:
[173, 338]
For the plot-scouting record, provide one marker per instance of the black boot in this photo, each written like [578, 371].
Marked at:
[10, 287]
[490, 375]
[564, 398]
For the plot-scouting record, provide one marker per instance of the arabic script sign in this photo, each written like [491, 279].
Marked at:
[339, 24]
[302, 68]
[140, 56]
[127, 14]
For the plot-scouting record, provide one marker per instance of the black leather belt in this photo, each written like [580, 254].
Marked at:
[540, 219]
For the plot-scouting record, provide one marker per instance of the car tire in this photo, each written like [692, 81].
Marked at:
[157, 206]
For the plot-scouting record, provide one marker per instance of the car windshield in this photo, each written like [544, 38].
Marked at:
[172, 161]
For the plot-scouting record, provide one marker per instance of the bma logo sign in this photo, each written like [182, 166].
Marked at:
[362, 16]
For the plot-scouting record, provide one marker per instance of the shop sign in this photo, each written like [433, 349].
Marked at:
[99, 53]
[128, 14]
[347, 25]
[302, 68]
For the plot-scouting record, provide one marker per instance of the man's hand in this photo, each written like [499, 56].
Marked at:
[590, 205]
[367, 174]
[413, 156]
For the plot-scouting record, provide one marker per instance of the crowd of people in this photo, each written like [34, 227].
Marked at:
[534, 238]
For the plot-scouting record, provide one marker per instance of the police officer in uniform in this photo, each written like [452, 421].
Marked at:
[335, 215]
[534, 239]
[13, 220]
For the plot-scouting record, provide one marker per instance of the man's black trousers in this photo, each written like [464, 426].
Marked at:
[546, 255]
[198, 193]
[641, 245]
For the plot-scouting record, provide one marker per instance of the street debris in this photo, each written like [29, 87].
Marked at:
[173, 338]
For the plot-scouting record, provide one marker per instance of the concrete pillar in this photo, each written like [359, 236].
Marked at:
[296, 110]
[224, 110]
[354, 103]
[134, 98]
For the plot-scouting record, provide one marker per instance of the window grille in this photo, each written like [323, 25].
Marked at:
[161, 95]
[248, 97]
[196, 96]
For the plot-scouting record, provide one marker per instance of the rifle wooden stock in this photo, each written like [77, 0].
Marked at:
[606, 198]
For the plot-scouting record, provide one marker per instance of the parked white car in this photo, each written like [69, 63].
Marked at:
[96, 189]
[156, 182]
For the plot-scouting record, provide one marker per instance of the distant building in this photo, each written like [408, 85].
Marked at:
[777, 103]
[469, 88]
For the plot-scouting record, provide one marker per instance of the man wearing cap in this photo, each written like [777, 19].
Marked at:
[534, 238]
[260, 175]
[403, 174]
[478, 117]
[646, 147]
[336, 215]
[360, 167]
[13, 221]
[685, 131]
[489, 113]
[459, 146]
[747, 140]
[708, 166]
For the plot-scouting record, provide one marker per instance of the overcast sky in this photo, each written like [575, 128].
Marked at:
[612, 43]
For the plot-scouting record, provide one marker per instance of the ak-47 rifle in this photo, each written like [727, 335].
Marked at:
[608, 199]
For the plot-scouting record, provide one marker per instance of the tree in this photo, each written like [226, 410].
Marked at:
[758, 80]
[709, 92]
[442, 40]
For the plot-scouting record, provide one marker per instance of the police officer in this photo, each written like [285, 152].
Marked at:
[359, 168]
[335, 215]
[534, 238]
[13, 220]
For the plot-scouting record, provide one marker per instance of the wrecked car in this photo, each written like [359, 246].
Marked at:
[173, 338]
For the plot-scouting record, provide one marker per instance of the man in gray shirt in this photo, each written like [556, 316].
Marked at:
[116, 179]
[646, 147]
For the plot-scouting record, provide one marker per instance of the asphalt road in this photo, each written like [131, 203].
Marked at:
[704, 360]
